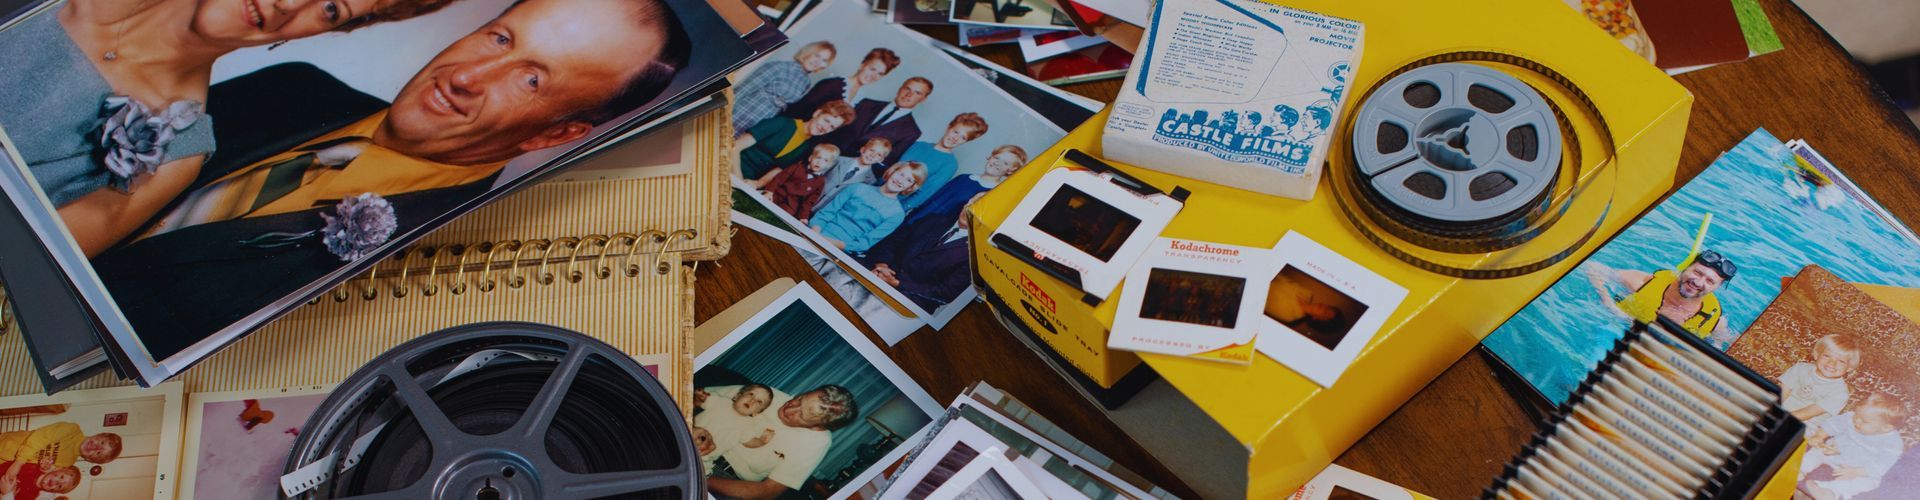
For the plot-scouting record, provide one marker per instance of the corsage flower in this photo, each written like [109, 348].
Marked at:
[133, 140]
[357, 227]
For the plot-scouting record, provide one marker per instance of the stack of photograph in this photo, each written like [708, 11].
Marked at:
[990, 445]
[163, 199]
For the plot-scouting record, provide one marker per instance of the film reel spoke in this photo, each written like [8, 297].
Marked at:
[433, 421]
[608, 484]
[532, 427]
[419, 489]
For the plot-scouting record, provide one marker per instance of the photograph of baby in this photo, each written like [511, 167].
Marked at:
[1846, 365]
[798, 402]
[100, 444]
[246, 149]
[1194, 298]
[874, 141]
[1311, 307]
[1086, 223]
[1011, 13]
[237, 442]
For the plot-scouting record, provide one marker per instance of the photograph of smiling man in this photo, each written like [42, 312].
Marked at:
[278, 168]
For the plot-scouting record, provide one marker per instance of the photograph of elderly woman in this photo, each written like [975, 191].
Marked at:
[211, 157]
[794, 409]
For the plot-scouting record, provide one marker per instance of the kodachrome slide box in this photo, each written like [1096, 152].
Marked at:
[1288, 428]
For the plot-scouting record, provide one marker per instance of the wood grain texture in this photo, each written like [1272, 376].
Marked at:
[1453, 437]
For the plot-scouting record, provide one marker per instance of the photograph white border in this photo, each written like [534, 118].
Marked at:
[1096, 277]
[937, 318]
[196, 417]
[952, 432]
[990, 460]
[1321, 365]
[812, 300]
[1097, 470]
[1321, 486]
[1032, 50]
[167, 463]
[1134, 332]
[953, 15]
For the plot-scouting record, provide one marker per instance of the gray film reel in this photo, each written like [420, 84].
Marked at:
[1459, 146]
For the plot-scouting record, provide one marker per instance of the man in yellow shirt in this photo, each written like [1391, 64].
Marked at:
[540, 75]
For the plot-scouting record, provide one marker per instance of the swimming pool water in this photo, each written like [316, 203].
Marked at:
[1768, 231]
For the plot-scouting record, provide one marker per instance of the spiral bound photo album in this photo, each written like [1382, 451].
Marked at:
[165, 225]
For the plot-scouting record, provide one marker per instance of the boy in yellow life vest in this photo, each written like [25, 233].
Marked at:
[1686, 297]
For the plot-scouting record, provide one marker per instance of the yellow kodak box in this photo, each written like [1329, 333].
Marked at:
[1288, 427]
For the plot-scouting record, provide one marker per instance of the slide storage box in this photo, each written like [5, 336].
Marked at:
[1294, 428]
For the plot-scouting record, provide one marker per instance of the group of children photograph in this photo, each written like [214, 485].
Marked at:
[1850, 448]
[878, 145]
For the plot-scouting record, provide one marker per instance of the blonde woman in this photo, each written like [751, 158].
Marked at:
[101, 94]
[862, 214]
[772, 86]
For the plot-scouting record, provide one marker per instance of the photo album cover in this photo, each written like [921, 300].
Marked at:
[1710, 258]
[796, 401]
[1846, 365]
[288, 148]
[872, 140]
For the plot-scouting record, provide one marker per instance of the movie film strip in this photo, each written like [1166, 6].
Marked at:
[1474, 164]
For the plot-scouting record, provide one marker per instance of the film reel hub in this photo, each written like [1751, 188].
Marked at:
[497, 411]
[1459, 145]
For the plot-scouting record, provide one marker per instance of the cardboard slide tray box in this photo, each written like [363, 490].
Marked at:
[1291, 428]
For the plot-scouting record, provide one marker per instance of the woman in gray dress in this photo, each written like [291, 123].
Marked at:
[103, 98]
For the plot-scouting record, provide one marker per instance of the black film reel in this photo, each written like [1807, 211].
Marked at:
[497, 411]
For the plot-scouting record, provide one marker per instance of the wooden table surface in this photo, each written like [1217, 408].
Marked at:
[1452, 438]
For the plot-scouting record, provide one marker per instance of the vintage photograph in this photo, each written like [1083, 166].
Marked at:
[1312, 307]
[1322, 308]
[876, 142]
[1845, 363]
[1770, 216]
[796, 401]
[237, 442]
[921, 11]
[1093, 224]
[1194, 298]
[274, 151]
[1011, 13]
[1086, 223]
[990, 476]
[99, 444]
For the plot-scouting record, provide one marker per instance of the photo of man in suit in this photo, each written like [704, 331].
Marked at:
[537, 76]
[893, 121]
[926, 260]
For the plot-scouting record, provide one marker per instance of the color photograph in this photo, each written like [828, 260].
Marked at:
[284, 145]
[1322, 309]
[876, 142]
[98, 444]
[1770, 216]
[1312, 307]
[796, 401]
[1011, 13]
[1846, 365]
[237, 442]
[1194, 298]
[1086, 223]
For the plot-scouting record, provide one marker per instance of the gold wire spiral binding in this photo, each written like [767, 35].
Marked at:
[425, 269]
